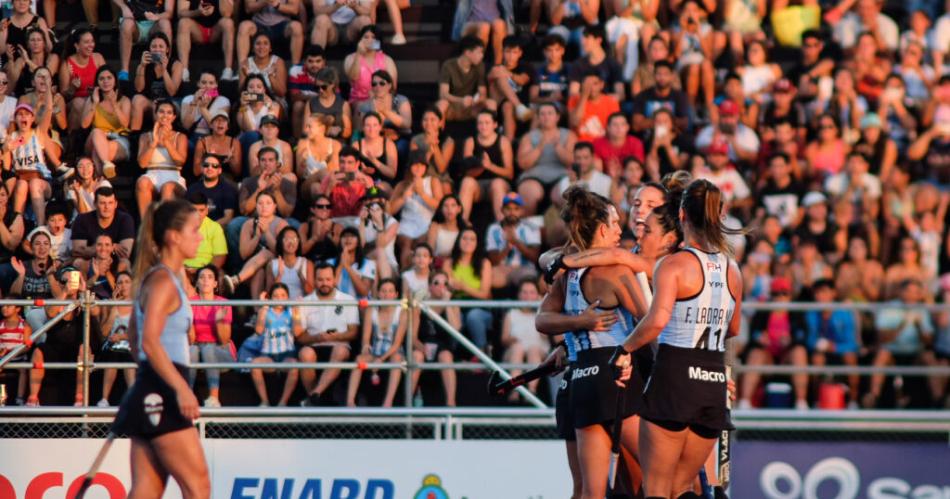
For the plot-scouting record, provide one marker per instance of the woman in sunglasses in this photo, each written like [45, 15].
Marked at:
[320, 235]
[393, 108]
[330, 103]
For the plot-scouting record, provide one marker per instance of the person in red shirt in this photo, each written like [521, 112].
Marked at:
[590, 110]
[346, 187]
[614, 148]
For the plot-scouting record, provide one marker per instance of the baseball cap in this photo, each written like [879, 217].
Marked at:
[870, 120]
[784, 85]
[718, 146]
[813, 198]
[781, 285]
[26, 107]
[512, 197]
[729, 108]
[270, 119]
[221, 113]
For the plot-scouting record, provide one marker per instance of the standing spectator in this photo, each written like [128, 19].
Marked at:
[200, 108]
[415, 199]
[302, 85]
[162, 154]
[832, 336]
[591, 108]
[320, 235]
[616, 146]
[470, 278]
[485, 20]
[492, 167]
[280, 326]
[327, 328]
[289, 267]
[544, 154]
[462, 91]
[445, 227]
[205, 22]
[384, 330]
[79, 73]
[213, 249]
[157, 77]
[106, 219]
[513, 244]
[140, 20]
[432, 345]
[329, 102]
[508, 84]
[221, 196]
[107, 114]
[212, 325]
[277, 20]
[220, 145]
[362, 64]
[340, 22]
[661, 95]
[905, 337]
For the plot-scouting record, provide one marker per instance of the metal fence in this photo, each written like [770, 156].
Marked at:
[86, 302]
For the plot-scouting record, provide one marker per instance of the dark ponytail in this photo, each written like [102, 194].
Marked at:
[702, 205]
[159, 219]
[583, 212]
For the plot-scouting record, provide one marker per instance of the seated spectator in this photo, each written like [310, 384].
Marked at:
[856, 184]
[808, 265]
[693, 40]
[384, 330]
[717, 169]
[815, 224]
[380, 159]
[317, 154]
[433, 345]
[48, 104]
[360, 66]
[101, 271]
[139, 21]
[595, 62]
[490, 166]
[749, 106]
[256, 102]
[107, 114]
[79, 73]
[8, 104]
[859, 278]
[302, 85]
[162, 154]
[743, 141]
[550, 82]
[462, 91]
[269, 130]
[220, 195]
[667, 147]
[590, 108]
[919, 77]
[776, 337]
[583, 172]
[37, 278]
[281, 186]
[205, 22]
[27, 152]
[544, 154]
[631, 23]
[444, 230]
[113, 325]
[415, 199]
[106, 218]
[661, 95]
[784, 109]
[436, 146]
[288, 267]
[624, 189]
[60, 235]
[199, 108]
[320, 235]
[513, 245]
[213, 248]
[826, 154]
[906, 267]
[486, 20]
[393, 8]
[470, 278]
[927, 232]
[279, 326]
[941, 346]
[347, 186]
[329, 102]
[222, 146]
[258, 244]
[22, 19]
[328, 334]
[393, 109]
[781, 194]
[157, 77]
[758, 74]
[267, 65]
[899, 112]
[832, 337]
[276, 20]
[508, 84]
[37, 54]
[616, 146]
[338, 23]
[212, 324]
[932, 149]
[354, 272]
[521, 340]
[905, 337]
[866, 17]
[657, 50]
[415, 281]
[15, 332]
[378, 231]
[81, 190]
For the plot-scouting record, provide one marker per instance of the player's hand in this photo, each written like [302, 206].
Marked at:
[731, 389]
[188, 403]
[596, 320]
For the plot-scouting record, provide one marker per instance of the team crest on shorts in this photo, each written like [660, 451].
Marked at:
[431, 489]
[338, 310]
[153, 408]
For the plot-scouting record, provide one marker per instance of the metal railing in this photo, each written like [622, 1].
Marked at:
[86, 365]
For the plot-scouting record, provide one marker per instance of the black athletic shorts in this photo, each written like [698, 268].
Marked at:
[593, 392]
[562, 412]
[150, 407]
[687, 389]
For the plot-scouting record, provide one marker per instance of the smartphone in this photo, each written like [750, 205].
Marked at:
[350, 176]
[576, 168]
[661, 131]
[257, 97]
[72, 280]
[375, 45]
[212, 93]
[157, 57]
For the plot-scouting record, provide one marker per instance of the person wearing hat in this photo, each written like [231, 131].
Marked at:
[220, 145]
[719, 170]
[270, 129]
[875, 145]
[742, 141]
[107, 113]
[776, 337]
[26, 152]
[513, 244]
[815, 225]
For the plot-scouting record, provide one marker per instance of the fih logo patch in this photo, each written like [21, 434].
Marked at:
[154, 403]
[431, 488]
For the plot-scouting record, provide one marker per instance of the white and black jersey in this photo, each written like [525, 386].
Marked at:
[702, 321]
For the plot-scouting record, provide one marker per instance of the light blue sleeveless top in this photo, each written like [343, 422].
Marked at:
[174, 338]
[575, 303]
[702, 321]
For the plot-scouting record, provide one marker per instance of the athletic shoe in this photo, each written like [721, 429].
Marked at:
[212, 402]
[123, 75]
[33, 402]
[108, 170]
[801, 405]
[185, 75]
[231, 283]
[64, 172]
[744, 405]
[523, 112]
[312, 400]
[398, 39]
[228, 75]
[102, 403]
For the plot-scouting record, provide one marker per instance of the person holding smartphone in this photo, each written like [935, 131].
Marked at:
[346, 186]
[360, 65]
[158, 76]
[200, 108]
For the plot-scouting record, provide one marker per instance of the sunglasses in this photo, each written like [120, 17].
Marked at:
[207, 164]
[322, 87]
[323, 206]
[439, 283]
[379, 83]
[4, 82]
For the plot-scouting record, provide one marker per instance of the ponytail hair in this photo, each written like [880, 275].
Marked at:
[702, 206]
[159, 219]
[583, 212]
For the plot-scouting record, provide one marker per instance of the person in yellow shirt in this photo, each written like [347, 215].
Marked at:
[214, 247]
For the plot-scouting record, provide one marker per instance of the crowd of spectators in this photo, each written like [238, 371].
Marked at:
[826, 125]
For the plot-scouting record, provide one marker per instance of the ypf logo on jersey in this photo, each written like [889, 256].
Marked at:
[153, 408]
